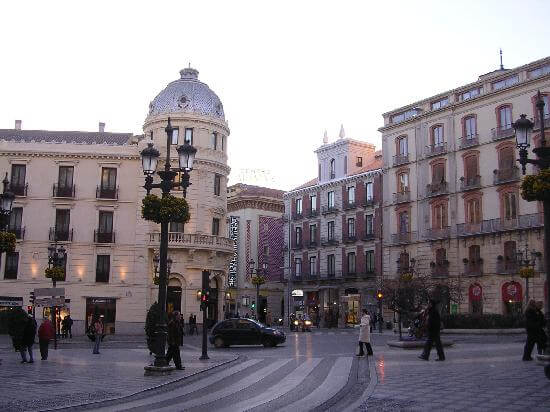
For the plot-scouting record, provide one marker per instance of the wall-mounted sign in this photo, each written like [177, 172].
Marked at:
[234, 263]
[297, 293]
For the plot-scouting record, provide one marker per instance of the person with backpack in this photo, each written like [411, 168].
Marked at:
[29, 334]
[45, 334]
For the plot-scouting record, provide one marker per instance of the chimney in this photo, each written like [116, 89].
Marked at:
[18, 125]
[101, 127]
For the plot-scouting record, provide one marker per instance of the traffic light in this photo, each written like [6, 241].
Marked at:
[205, 296]
[29, 309]
[253, 305]
[379, 295]
[31, 298]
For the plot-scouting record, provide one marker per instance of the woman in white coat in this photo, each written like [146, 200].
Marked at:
[364, 334]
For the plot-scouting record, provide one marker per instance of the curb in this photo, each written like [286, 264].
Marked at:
[373, 381]
[152, 388]
[517, 331]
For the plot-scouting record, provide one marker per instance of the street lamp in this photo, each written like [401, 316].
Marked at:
[6, 203]
[57, 256]
[523, 128]
[524, 262]
[149, 161]
[257, 281]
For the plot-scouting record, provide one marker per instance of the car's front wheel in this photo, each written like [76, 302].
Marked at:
[269, 343]
[219, 342]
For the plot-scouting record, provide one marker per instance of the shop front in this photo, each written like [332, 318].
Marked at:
[6, 304]
[102, 307]
[61, 312]
[331, 310]
[312, 306]
[351, 305]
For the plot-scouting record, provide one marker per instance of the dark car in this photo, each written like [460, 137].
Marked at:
[241, 331]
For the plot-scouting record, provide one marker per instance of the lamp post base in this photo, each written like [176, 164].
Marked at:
[152, 370]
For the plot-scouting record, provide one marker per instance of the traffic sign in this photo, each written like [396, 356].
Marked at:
[49, 292]
[48, 302]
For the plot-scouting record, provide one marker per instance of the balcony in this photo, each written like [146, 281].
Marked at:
[506, 266]
[104, 237]
[403, 238]
[63, 191]
[349, 239]
[402, 197]
[19, 190]
[439, 270]
[468, 141]
[349, 205]
[19, 232]
[304, 277]
[337, 274]
[502, 132]
[312, 244]
[523, 222]
[506, 175]
[312, 213]
[399, 160]
[435, 149]
[473, 268]
[106, 193]
[369, 202]
[297, 216]
[546, 122]
[368, 236]
[470, 183]
[195, 241]
[60, 235]
[436, 189]
[297, 246]
[351, 274]
[325, 210]
[329, 241]
[434, 234]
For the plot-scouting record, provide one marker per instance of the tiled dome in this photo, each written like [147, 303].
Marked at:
[187, 95]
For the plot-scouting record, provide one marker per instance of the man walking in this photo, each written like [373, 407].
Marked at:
[434, 329]
[45, 334]
[175, 339]
[68, 326]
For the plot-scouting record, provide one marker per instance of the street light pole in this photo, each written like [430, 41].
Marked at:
[56, 258]
[7, 197]
[149, 156]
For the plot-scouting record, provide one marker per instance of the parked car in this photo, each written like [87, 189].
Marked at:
[241, 331]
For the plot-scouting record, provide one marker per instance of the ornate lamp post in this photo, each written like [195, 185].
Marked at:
[149, 159]
[523, 128]
[526, 266]
[56, 259]
[257, 280]
[6, 203]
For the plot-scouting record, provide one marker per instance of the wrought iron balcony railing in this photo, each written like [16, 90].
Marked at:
[502, 132]
[369, 202]
[436, 189]
[297, 246]
[326, 241]
[63, 191]
[349, 239]
[312, 213]
[368, 236]
[402, 159]
[297, 216]
[402, 197]
[328, 209]
[473, 269]
[468, 141]
[442, 233]
[522, 222]
[104, 237]
[435, 149]
[349, 205]
[507, 267]
[506, 175]
[106, 193]
[470, 183]
[60, 234]
[403, 238]
[19, 190]
[19, 232]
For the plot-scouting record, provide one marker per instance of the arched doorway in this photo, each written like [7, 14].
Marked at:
[174, 295]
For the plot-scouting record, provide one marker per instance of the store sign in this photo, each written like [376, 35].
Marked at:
[11, 301]
[297, 293]
[233, 264]
[48, 302]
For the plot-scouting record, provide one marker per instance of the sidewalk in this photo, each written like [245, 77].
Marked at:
[72, 376]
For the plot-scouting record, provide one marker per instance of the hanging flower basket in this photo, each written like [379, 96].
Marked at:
[536, 187]
[258, 280]
[526, 273]
[164, 209]
[56, 273]
[156, 280]
[7, 242]
[406, 277]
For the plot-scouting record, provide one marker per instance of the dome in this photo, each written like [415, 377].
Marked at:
[187, 95]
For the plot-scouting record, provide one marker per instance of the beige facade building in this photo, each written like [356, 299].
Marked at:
[451, 189]
[84, 190]
[255, 217]
[333, 233]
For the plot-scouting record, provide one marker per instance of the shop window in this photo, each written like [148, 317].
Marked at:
[369, 261]
[103, 268]
[351, 263]
[101, 307]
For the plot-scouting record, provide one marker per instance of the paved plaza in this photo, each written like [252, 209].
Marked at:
[312, 371]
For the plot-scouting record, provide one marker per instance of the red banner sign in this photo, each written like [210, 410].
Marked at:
[511, 292]
[475, 292]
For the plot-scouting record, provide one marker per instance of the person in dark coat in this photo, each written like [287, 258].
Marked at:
[175, 338]
[45, 334]
[532, 328]
[542, 339]
[29, 334]
[434, 330]
[68, 326]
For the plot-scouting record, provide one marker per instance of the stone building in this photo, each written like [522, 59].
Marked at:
[256, 222]
[332, 234]
[451, 190]
[84, 190]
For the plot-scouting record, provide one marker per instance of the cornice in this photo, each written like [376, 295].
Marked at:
[255, 204]
[70, 155]
[208, 162]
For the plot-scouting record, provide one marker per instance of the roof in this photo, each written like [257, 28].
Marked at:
[52, 136]
[242, 189]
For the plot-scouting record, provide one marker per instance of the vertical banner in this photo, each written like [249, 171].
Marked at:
[233, 264]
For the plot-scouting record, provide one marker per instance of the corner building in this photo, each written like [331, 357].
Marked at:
[451, 194]
[332, 234]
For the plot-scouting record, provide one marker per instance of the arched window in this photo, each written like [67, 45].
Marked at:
[332, 168]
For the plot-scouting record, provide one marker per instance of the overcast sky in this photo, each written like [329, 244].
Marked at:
[285, 71]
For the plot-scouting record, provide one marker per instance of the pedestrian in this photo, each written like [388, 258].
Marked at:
[45, 334]
[175, 339]
[29, 333]
[434, 330]
[69, 326]
[182, 322]
[364, 334]
[268, 318]
[532, 328]
[97, 328]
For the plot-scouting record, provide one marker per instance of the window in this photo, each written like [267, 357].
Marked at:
[437, 135]
[359, 162]
[369, 229]
[440, 257]
[223, 142]
[401, 117]
[404, 222]
[214, 140]
[65, 181]
[17, 181]
[470, 127]
[312, 233]
[351, 227]
[474, 257]
[439, 217]
[473, 211]
[403, 182]
[62, 222]
[330, 200]
[438, 173]
[312, 265]
[319, 175]
[217, 184]
[403, 261]
[345, 165]
[175, 135]
[176, 227]
[506, 159]
[509, 81]
[539, 71]
[103, 268]
[469, 94]
[266, 250]
[369, 190]
[297, 266]
[505, 117]
[351, 263]
[332, 168]
[215, 226]
[330, 230]
[188, 136]
[313, 203]
[331, 264]
[298, 236]
[108, 182]
[510, 205]
[299, 207]
[471, 169]
[351, 195]
[14, 225]
[369, 261]
[12, 265]
[402, 146]
[105, 227]
[440, 103]
[510, 255]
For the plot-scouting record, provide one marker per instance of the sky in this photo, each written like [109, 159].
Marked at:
[286, 71]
